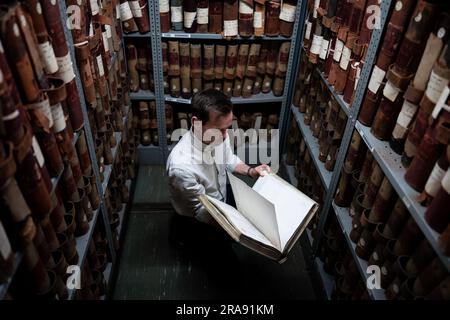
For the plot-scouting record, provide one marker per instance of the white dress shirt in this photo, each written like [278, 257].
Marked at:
[193, 169]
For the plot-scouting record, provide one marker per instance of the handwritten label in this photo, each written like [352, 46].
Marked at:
[376, 79]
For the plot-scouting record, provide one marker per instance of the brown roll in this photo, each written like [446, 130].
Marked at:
[287, 17]
[231, 62]
[202, 16]
[282, 60]
[190, 15]
[126, 16]
[208, 62]
[139, 10]
[246, 18]
[219, 61]
[259, 17]
[272, 26]
[196, 61]
[242, 60]
[176, 14]
[230, 18]
[164, 14]
[215, 16]
[174, 59]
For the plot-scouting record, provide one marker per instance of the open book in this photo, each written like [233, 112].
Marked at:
[270, 217]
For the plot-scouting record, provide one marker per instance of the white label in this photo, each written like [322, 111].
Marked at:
[376, 79]
[249, 87]
[441, 103]
[358, 75]
[435, 86]
[136, 9]
[91, 30]
[395, 288]
[375, 256]
[11, 116]
[384, 270]
[16, 30]
[390, 91]
[105, 41]
[59, 122]
[185, 90]
[316, 6]
[65, 68]
[101, 70]
[44, 107]
[230, 28]
[117, 11]
[5, 246]
[441, 33]
[446, 181]
[189, 18]
[316, 45]
[418, 17]
[125, 11]
[37, 152]
[308, 30]
[258, 20]
[267, 84]
[196, 90]
[407, 113]
[398, 6]
[38, 8]
[345, 59]
[228, 89]
[94, 7]
[108, 31]
[238, 87]
[202, 15]
[434, 181]
[176, 14]
[287, 13]
[84, 218]
[244, 8]
[163, 6]
[256, 84]
[53, 2]
[324, 49]
[48, 57]
[338, 50]
[23, 21]
[362, 242]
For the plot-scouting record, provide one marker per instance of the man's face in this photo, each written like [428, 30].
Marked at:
[215, 127]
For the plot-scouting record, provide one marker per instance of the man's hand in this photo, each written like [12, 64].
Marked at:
[261, 170]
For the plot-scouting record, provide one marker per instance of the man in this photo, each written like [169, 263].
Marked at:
[198, 163]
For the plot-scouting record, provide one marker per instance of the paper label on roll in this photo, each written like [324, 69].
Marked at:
[308, 30]
[287, 12]
[202, 15]
[376, 79]
[316, 6]
[176, 14]
[398, 6]
[189, 18]
[390, 91]
[37, 152]
[441, 33]
[375, 256]
[44, 107]
[65, 68]
[446, 181]
[101, 70]
[338, 50]
[441, 104]
[358, 75]
[434, 181]
[345, 59]
[316, 45]
[125, 11]
[48, 57]
[108, 31]
[435, 86]
[257, 20]
[117, 11]
[245, 8]
[163, 6]
[230, 28]
[105, 41]
[407, 114]
[94, 7]
[5, 246]
[384, 270]
[136, 9]
[59, 122]
[362, 242]
[324, 49]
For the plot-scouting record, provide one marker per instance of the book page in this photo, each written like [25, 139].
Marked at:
[291, 205]
[258, 210]
[240, 222]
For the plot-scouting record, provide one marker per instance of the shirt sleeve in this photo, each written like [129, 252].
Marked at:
[232, 160]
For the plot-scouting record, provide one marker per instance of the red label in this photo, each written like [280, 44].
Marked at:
[220, 61]
[174, 58]
[231, 62]
[284, 57]
[208, 63]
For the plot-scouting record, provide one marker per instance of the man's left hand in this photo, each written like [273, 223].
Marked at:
[259, 171]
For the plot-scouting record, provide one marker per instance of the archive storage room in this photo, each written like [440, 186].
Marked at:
[237, 149]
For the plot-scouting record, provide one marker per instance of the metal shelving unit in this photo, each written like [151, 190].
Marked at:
[215, 36]
[257, 98]
[345, 221]
[390, 163]
[313, 146]
[142, 95]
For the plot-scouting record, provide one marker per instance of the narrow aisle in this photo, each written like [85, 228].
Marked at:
[153, 267]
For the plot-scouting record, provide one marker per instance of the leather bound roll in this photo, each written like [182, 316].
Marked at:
[174, 59]
[257, 84]
[196, 85]
[196, 61]
[371, 189]
[287, 17]
[237, 88]
[397, 220]
[230, 18]
[126, 16]
[278, 86]
[176, 14]
[82, 53]
[215, 16]
[430, 277]
[175, 87]
[190, 15]
[219, 61]
[209, 84]
[282, 60]
[242, 60]
[273, 9]
[208, 62]
[132, 63]
[228, 87]
[139, 10]
[252, 60]
[218, 85]
[202, 16]
[262, 59]
[267, 83]
[259, 18]
[409, 238]
[247, 87]
[384, 202]
[271, 60]
[231, 62]
[164, 15]
[246, 18]
[185, 70]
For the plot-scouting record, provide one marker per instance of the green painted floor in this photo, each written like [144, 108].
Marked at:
[152, 267]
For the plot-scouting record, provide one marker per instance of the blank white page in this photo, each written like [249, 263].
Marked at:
[258, 210]
[291, 205]
[240, 222]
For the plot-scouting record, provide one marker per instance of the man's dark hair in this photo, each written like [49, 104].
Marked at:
[210, 100]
